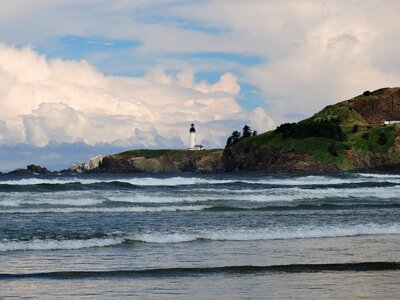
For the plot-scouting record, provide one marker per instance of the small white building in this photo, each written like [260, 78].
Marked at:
[390, 122]
[192, 139]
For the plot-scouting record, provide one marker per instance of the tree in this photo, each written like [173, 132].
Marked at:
[246, 131]
[235, 136]
[367, 93]
[229, 141]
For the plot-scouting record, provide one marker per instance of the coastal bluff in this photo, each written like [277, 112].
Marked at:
[162, 161]
[358, 134]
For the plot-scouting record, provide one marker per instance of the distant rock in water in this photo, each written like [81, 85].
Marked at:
[31, 169]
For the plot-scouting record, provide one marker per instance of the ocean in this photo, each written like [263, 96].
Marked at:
[219, 236]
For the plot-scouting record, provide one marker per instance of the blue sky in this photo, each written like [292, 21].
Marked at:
[127, 74]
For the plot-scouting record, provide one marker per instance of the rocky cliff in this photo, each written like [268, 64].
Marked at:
[159, 161]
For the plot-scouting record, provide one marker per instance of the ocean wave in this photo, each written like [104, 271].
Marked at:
[373, 175]
[279, 194]
[269, 195]
[62, 202]
[269, 234]
[305, 206]
[135, 209]
[239, 234]
[57, 183]
[190, 271]
[58, 244]
[142, 181]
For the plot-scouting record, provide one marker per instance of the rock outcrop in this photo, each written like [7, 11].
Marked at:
[162, 161]
[379, 106]
[31, 169]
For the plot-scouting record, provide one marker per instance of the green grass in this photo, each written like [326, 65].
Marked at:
[377, 92]
[314, 146]
[175, 154]
[337, 112]
[372, 143]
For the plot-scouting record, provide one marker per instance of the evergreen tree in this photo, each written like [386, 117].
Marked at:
[246, 131]
[229, 141]
[235, 136]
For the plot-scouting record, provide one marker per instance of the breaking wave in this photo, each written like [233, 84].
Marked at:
[182, 181]
[58, 244]
[217, 235]
[269, 234]
[135, 209]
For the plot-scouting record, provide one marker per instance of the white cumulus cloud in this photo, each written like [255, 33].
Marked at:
[44, 101]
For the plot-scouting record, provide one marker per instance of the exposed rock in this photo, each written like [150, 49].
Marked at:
[31, 169]
[170, 161]
[383, 105]
[95, 161]
[78, 167]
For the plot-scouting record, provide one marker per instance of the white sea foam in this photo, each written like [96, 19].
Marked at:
[373, 175]
[219, 235]
[277, 194]
[144, 181]
[181, 181]
[105, 209]
[270, 234]
[142, 198]
[63, 202]
[298, 193]
[58, 244]
[34, 181]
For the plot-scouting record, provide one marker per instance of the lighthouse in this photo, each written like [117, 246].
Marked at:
[192, 142]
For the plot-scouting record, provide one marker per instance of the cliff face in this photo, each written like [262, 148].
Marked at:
[159, 161]
[379, 106]
[349, 135]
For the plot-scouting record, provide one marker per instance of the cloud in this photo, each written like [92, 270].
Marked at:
[300, 56]
[315, 52]
[45, 101]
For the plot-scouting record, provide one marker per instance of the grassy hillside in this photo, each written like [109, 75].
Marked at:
[163, 160]
[338, 137]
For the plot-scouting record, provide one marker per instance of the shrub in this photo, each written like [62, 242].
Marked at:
[324, 128]
[333, 149]
[383, 139]
[355, 128]
[367, 93]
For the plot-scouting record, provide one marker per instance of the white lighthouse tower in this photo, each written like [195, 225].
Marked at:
[192, 141]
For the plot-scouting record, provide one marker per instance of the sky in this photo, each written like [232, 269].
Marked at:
[88, 77]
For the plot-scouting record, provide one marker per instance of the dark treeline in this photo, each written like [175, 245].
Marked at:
[325, 129]
[238, 136]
